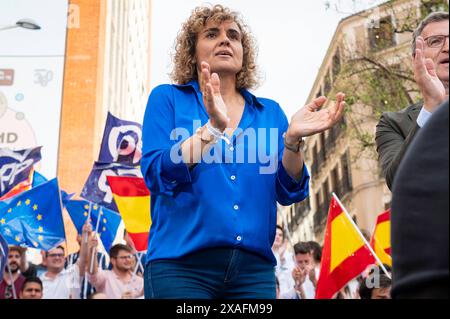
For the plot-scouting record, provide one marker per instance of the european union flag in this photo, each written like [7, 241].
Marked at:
[3, 255]
[38, 179]
[108, 221]
[15, 166]
[122, 142]
[34, 218]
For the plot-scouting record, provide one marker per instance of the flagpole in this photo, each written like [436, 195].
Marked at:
[86, 236]
[138, 263]
[12, 282]
[91, 267]
[363, 238]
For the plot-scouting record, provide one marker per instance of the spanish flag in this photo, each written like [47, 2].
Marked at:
[133, 201]
[381, 238]
[345, 254]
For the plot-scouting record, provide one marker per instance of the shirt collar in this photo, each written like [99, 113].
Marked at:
[250, 99]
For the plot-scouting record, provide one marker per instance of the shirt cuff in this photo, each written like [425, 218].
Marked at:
[423, 117]
[288, 182]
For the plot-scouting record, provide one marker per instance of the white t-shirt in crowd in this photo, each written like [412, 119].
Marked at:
[66, 285]
[283, 271]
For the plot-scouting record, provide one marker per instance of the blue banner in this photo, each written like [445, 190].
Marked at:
[97, 190]
[122, 142]
[16, 166]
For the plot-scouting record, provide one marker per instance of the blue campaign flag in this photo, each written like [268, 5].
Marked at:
[97, 189]
[3, 255]
[34, 218]
[16, 166]
[108, 221]
[122, 142]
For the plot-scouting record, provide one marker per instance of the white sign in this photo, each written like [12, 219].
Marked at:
[31, 76]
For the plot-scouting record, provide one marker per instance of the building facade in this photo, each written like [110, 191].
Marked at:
[107, 68]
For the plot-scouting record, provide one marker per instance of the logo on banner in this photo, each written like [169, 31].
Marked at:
[97, 189]
[15, 166]
[43, 77]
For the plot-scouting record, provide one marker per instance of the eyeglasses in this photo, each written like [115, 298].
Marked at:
[125, 257]
[436, 41]
[56, 255]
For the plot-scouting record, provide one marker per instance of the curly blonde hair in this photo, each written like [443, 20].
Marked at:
[185, 64]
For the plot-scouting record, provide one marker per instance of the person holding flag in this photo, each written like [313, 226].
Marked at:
[13, 280]
[121, 282]
[61, 283]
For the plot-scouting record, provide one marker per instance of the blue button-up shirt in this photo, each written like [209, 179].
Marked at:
[230, 198]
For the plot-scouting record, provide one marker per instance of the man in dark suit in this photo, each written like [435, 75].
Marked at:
[420, 211]
[420, 204]
[396, 130]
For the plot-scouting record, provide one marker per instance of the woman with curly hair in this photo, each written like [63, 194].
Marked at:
[217, 160]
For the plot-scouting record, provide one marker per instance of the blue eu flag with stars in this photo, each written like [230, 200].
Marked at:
[34, 218]
[108, 221]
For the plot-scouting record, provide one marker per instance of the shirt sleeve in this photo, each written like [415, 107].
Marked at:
[423, 117]
[98, 280]
[161, 164]
[288, 190]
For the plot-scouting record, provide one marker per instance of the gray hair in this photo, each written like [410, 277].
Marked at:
[431, 18]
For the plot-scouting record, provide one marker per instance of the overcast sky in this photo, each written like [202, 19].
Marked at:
[292, 35]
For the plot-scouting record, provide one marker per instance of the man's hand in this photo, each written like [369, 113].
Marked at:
[312, 277]
[299, 275]
[212, 98]
[93, 241]
[431, 87]
[309, 120]
[127, 295]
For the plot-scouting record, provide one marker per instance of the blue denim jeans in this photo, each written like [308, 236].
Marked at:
[218, 273]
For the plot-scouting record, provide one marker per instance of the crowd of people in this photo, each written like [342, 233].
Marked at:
[297, 273]
[118, 276]
[76, 276]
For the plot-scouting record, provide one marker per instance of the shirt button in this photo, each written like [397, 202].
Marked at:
[236, 207]
[233, 178]
[238, 238]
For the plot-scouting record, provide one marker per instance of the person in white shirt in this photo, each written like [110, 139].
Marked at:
[285, 262]
[303, 274]
[60, 283]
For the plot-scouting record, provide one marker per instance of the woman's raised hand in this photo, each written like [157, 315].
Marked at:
[310, 120]
[212, 98]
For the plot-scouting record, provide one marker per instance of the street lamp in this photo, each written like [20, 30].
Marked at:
[23, 23]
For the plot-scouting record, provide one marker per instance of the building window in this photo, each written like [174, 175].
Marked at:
[335, 181]
[315, 163]
[346, 174]
[323, 151]
[327, 84]
[382, 36]
[319, 94]
[336, 64]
